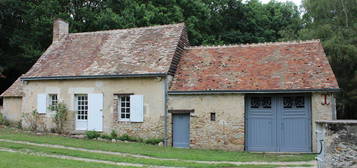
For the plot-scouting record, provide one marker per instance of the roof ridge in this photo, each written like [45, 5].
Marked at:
[255, 44]
[133, 28]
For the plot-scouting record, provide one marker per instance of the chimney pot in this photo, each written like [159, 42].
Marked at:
[60, 29]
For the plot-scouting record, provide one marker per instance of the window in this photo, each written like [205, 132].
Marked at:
[294, 102]
[260, 102]
[82, 107]
[53, 100]
[213, 116]
[124, 107]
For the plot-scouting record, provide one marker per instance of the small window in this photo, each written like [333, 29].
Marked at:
[124, 107]
[53, 100]
[213, 116]
[260, 102]
[82, 107]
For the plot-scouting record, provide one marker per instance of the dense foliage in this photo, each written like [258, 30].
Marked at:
[335, 23]
[26, 27]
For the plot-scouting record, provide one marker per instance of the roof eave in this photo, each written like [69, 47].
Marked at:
[94, 76]
[10, 96]
[253, 91]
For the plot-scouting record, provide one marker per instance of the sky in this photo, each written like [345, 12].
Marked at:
[297, 2]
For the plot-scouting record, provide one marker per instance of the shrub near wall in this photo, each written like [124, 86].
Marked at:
[125, 137]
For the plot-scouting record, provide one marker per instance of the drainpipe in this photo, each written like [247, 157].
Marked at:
[165, 111]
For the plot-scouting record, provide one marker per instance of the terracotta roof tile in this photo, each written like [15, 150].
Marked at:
[147, 50]
[272, 66]
[15, 90]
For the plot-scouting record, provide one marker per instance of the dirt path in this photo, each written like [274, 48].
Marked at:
[156, 158]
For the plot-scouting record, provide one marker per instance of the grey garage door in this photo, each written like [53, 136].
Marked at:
[278, 123]
[181, 130]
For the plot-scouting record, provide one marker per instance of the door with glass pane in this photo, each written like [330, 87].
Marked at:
[81, 107]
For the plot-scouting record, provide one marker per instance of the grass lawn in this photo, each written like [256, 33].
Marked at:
[151, 150]
[9, 160]
[106, 157]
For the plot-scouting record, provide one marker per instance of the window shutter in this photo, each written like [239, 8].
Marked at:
[95, 112]
[41, 103]
[136, 108]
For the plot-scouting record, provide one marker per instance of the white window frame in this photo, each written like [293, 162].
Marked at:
[124, 110]
[81, 106]
[51, 101]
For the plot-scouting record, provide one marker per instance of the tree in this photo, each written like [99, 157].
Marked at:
[335, 23]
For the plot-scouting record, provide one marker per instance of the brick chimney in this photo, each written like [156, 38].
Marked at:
[60, 29]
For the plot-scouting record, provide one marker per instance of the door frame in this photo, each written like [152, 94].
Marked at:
[75, 98]
[181, 111]
[309, 107]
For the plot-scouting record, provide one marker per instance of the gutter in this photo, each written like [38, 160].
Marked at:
[252, 91]
[94, 76]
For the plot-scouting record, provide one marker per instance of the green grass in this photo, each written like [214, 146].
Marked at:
[107, 157]
[9, 159]
[150, 150]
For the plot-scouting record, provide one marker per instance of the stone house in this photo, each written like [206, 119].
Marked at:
[149, 82]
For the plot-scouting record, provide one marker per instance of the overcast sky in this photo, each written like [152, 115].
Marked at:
[297, 2]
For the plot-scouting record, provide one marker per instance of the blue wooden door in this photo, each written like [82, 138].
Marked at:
[278, 123]
[261, 132]
[295, 124]
[181, 130]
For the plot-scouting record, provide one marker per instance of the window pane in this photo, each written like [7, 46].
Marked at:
[255, 102]
[287, 102]
[266, 102]
[299, 102]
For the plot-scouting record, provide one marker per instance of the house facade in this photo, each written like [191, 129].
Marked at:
[150, 83]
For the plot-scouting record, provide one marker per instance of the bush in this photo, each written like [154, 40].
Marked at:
[3, 120]
[32, 119]
[108, 137]
[60, 117]
[153, 141]
[92, 134]
[19, 124]
[126, 137]
[113, 135]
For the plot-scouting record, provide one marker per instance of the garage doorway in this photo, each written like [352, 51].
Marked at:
[278, 123]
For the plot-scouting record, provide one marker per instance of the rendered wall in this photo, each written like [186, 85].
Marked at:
[151, 88]
[12, 108]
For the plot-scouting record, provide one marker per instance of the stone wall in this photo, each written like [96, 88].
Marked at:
[338, 139]
[226, 132]
[319, 112]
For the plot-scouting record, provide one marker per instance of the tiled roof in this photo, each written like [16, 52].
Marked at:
[271, 66]
[15, 90]
[147, 50]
